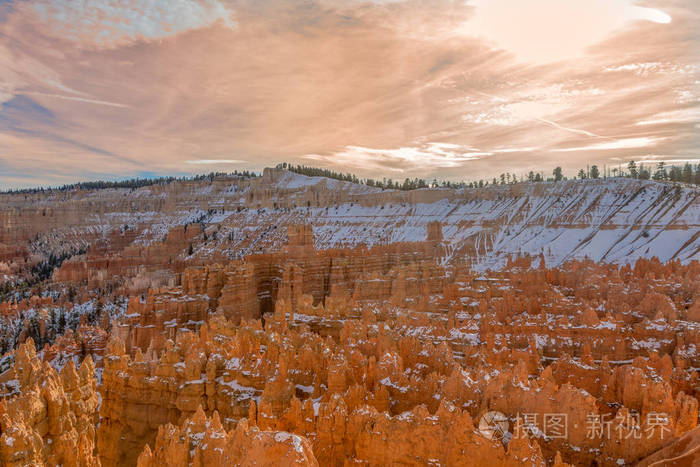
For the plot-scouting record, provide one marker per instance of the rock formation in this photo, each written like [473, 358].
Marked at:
[204, 441]
[51, 418]
[289, 320]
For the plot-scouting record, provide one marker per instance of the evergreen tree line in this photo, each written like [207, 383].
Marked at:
[44, 269]
[132, 183]
[8, 288]
[58, 321]
[9, 334]
[686, 173]
[407, 184]
[674, 173]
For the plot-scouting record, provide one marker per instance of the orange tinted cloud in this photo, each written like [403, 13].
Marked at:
[121, 87]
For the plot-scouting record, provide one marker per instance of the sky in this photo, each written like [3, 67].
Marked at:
[449, 89]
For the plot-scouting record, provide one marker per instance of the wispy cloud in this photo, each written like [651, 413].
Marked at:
[674, 116]
[514, 149]
[625, 143]
[429, 156]
[215, 161]
[112, 23]
[76, 98]
[551, 30]
[406, 87]
[572, 130]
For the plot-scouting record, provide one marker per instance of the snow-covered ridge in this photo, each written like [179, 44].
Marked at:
[615, 220]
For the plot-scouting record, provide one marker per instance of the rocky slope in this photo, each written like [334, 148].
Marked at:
[384, 356]
[315, 322]
[51, 421]
[614, 220]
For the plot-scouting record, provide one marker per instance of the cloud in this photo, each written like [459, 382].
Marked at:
[675, 116]
[572, 130]
[19, 70]
[625, 143]
[552, 30]
[113, 23]
[509, 150]
[650, 14]
[396, 87]
[637, 68]
[538, 104]
[76, 98]
[215, 161]
[429, 156]
[669, 161]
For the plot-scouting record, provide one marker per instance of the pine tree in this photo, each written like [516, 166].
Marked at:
[34, 332]
[632, 167]
[643, 173]
[675, 174]
[687, 176]
[557, 172]
[660, 173]
[61, 322]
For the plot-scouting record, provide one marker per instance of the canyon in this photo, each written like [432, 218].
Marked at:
[293, 320]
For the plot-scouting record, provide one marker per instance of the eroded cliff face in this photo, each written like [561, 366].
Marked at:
[50, 417]
[393, 368]
[204, 441]
[405, 377]
[342, 325]
[137, 238]
[682, 452]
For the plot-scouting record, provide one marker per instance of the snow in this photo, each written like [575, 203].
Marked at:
[649, 344]
[605, 220]
[299, 317]
[234, 364]
[293, 181]
[306, 389]
[471, 338]
[283, 437]
[614, 220]
[387, 382]
[244, 392]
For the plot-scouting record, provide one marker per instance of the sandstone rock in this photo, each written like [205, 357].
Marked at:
[201, 441]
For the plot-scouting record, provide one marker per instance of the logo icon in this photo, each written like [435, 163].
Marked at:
[493, 425]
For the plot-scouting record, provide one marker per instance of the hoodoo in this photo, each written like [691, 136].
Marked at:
[368, 327]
